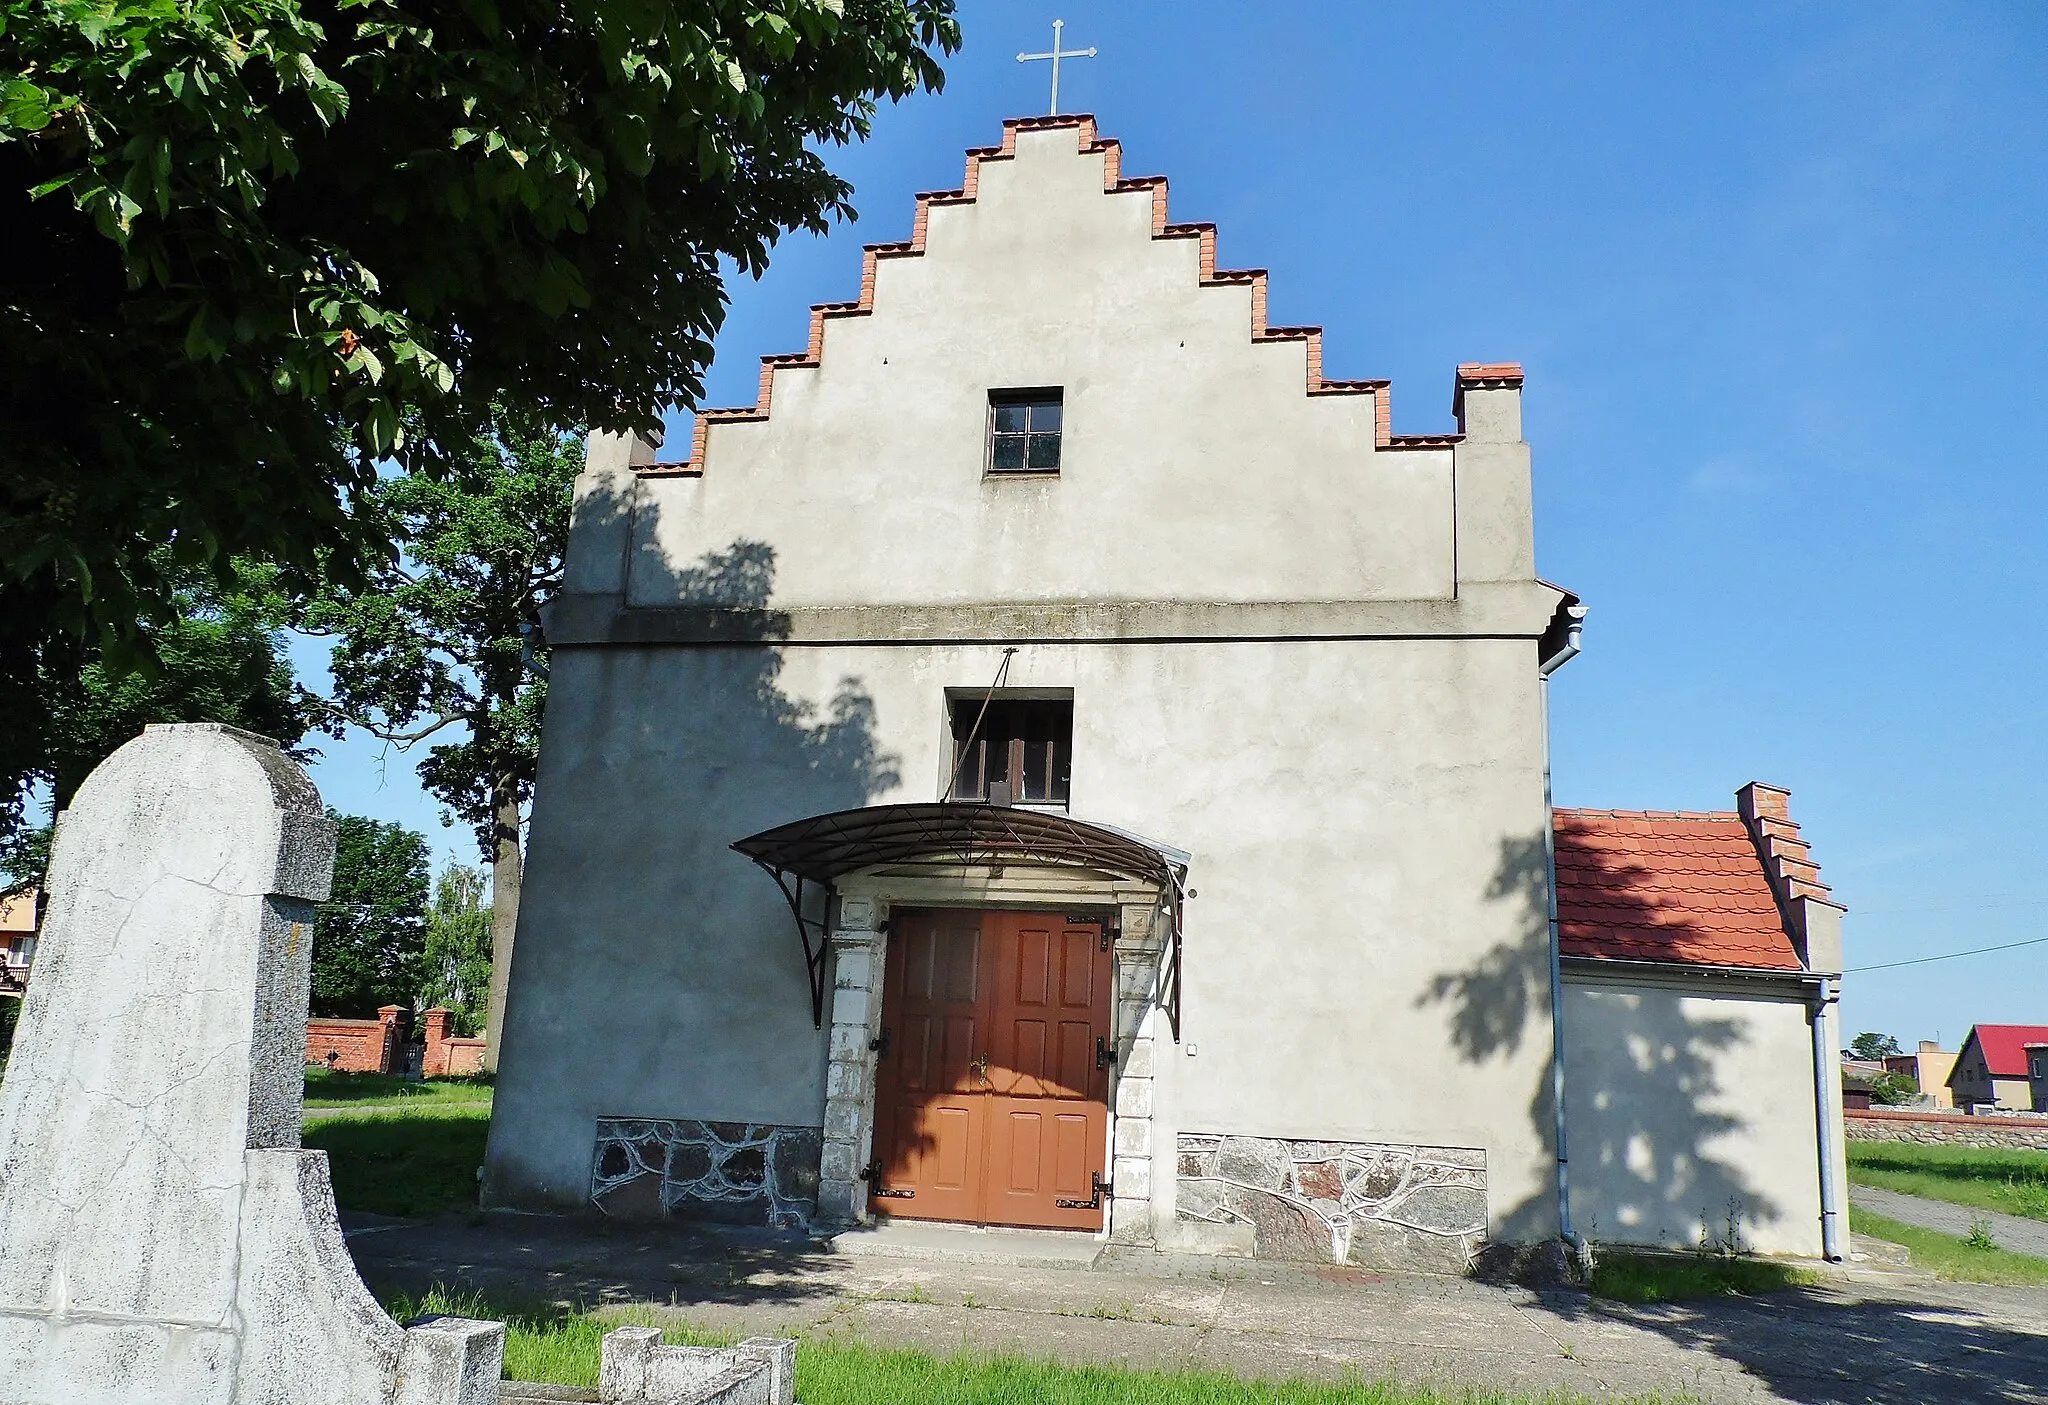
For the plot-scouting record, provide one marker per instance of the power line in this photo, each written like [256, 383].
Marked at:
[1923, 960]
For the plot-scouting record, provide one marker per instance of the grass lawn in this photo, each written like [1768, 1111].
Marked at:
[419, 1161]
[2010, 1181]
[1946, 1256]
[1669, 1278]
[561, 1348]
[327, 1088]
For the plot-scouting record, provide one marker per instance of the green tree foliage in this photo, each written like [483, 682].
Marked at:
[1868, 1045]
[456, 964]
[218, 657]
[439, 644]
[257, 246]
[371, 932]
[10, 1020]
[1892, 1089]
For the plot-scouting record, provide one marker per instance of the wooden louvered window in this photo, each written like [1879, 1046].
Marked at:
[1022, 752]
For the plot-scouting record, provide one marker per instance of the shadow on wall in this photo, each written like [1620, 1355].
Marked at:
[651, 923]
[1635, 1095]
[836, 751]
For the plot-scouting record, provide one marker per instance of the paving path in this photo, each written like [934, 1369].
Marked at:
[1863, 1336]
[2014, 1232]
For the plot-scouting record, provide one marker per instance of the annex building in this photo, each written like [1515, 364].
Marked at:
[1060, 760]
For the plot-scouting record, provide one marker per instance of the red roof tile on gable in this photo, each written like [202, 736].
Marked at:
[2005, 1046]
[1666, 885]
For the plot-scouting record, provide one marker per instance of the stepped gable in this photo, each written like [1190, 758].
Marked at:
[1787, 858]
[1674, 886]
[1113, 183]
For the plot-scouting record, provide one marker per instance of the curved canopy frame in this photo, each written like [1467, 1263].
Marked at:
[824, 848]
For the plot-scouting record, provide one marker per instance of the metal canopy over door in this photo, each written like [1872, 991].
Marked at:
[991, 1100]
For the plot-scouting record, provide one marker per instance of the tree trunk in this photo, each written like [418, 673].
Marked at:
[507, 874]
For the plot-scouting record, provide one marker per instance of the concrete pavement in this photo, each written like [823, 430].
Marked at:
[1865, 1336]
[2014, 1232]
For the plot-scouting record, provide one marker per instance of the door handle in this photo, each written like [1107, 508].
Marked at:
[979, 1066]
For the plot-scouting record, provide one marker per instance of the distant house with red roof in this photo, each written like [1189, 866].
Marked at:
[1994, 1067]
[1700, 959]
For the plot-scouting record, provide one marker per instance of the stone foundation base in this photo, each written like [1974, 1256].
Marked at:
[1375, 1204]
[681, 1168]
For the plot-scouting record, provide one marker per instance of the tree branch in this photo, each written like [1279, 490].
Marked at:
[401, 739]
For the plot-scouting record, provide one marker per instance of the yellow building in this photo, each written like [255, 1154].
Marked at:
[1929, 1067]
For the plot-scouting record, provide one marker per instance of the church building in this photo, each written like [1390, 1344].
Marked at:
[1059, 760]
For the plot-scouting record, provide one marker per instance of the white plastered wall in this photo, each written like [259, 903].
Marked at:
[1313, 665]
[1365, 960]
[1195, 466]
[1688, 1106]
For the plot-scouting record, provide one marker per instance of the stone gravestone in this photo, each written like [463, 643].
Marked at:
[163, 1238]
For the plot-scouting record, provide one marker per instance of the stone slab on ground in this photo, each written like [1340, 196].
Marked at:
[916, 1239]
[1864, 1336]
[2014, 1232]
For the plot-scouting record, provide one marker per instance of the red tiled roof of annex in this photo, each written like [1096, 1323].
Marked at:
[2005, 1046]
[1666, 885]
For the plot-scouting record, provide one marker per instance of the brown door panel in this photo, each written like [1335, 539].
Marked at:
[989, 1104]
[1075, 1075]
[936, 1157]
[1042, 1151]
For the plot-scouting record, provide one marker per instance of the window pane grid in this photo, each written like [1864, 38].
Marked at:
[1024, 432]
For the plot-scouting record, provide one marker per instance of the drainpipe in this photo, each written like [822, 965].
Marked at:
[1823, 1108]
[1544, 668]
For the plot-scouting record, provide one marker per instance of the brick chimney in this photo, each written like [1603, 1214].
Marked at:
[1812, 918]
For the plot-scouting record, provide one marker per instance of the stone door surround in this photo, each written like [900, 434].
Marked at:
[859, 943]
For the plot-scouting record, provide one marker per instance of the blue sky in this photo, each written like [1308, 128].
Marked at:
[1779, 277]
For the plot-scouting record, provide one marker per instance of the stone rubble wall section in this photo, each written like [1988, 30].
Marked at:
[736, 1172]
[1376, 1204]
[1951, 1129]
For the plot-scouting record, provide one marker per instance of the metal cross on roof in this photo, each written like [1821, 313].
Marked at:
[1056, 55]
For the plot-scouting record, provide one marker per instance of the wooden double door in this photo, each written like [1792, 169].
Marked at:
[992, 1092]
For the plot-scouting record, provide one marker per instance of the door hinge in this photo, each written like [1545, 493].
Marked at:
[1106, 932]
[872, 1174]
[880, 1044]
[1104, 1055]
[1099, 1186]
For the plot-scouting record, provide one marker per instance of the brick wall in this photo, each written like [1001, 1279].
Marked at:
[358, 1046]
[448, 1056]
[378, 1046]
[1946, 1129]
